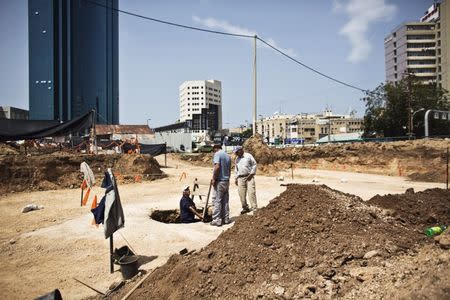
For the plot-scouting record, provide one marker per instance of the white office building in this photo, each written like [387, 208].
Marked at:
[201, 107]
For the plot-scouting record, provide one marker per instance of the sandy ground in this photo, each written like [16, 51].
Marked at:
[43, 250]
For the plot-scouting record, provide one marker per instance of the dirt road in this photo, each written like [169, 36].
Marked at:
[43, 250]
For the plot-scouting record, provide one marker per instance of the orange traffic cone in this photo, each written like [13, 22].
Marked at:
[94, 202]
[86, 197]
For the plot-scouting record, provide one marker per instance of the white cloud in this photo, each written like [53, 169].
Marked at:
[215, 24]
[337, 6]
[212, 23]
[362, 14]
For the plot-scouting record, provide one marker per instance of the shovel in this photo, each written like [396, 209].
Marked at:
[205, 210]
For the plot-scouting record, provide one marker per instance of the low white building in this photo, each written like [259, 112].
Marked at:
[306, 128]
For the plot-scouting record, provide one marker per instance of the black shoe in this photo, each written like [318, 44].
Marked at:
[245, 210]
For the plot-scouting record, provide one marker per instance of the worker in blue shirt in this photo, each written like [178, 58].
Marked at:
[188, 211]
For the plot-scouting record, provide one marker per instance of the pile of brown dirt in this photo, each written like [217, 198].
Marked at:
[427, 208]
[7, 150]
[200, 159]
[310, 241]
[61, 170]
[260, 151]
[420, 160]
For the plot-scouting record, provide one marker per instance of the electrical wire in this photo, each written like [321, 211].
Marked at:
[170, 23]
[234, 35]
[311, 68]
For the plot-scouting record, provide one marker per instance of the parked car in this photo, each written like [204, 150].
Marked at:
[203, 148]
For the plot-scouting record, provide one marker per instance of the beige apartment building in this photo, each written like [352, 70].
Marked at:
[411, 48]
[274, 127]
[443, 45]
[421, 48]
[306, 128]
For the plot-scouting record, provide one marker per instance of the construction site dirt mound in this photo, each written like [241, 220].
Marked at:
[61, 170]
[427, 208]
[312, 242]
[201, 159]
[260, 151]
[7, 150]
[419, 160]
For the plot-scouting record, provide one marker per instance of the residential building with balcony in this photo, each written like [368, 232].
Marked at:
[421, 48]
[411, 49]
[443, 44]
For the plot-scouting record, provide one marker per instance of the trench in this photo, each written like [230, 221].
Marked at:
[166, 216]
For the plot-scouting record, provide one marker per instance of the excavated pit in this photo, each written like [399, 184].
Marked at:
[166, 216]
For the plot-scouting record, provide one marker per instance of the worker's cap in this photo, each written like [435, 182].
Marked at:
[185, 188]
[237, 148]
[217, 146]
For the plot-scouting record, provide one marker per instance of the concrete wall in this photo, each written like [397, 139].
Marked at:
[174, 140]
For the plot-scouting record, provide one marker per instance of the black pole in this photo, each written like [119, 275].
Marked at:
[111, 259]
[194, 188]
[82, 193]
[165, 156]
[94, 133]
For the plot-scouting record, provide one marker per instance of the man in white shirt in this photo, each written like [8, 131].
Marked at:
[245, 166]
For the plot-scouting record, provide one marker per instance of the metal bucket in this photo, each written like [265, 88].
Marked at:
[121, 252]
[128, 266]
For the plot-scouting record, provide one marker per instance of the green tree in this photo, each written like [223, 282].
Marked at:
[247, 133]
[387, 108]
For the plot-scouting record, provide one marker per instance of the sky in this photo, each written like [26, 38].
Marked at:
[341, 38]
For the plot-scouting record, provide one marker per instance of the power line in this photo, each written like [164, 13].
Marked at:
[311, 68]
[170, 23]
[234, 35]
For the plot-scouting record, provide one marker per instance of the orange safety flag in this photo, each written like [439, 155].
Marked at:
[94, 202]
[84, 184]
[86, 197]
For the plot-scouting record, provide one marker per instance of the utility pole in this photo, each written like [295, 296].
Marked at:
[254, 84]
[329, 130]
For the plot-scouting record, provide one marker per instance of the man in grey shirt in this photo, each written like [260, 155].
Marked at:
[221, 185]
[245, 178]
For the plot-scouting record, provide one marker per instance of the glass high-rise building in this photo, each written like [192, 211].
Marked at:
[73, 59]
